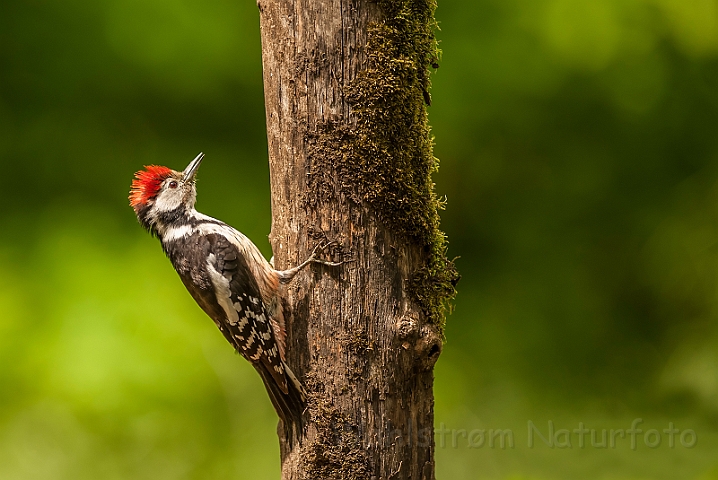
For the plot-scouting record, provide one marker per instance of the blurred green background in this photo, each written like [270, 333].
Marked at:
[579, 151]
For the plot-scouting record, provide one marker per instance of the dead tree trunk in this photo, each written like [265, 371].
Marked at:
[346, 87]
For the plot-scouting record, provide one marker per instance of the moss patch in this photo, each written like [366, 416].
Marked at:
[385, 160]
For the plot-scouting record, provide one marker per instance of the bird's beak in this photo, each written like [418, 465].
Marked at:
[191, 170]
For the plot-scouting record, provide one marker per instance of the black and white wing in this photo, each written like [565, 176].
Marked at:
[247, 324]
[220, 281]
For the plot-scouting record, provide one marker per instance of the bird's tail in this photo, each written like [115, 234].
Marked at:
[289, 406]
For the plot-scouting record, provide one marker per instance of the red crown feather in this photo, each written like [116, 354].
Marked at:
[147, 183]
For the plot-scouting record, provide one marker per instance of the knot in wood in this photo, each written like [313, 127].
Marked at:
[408, 326]
[423, 341]
[428, 348]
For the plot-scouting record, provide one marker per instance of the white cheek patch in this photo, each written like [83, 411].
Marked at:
[168, 200]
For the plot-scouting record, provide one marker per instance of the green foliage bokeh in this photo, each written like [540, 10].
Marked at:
[579, 156]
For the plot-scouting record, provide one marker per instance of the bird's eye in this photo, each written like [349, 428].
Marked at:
[173, 184]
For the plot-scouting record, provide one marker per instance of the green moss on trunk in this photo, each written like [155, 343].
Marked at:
[385, 159]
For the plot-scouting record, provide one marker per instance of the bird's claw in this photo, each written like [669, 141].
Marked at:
[319, 249]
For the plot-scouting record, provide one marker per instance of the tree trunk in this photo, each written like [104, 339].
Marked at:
[346, 86]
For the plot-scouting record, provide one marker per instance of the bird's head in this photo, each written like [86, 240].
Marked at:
[160, 195]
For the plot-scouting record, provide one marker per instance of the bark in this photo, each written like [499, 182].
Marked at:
[359, 337]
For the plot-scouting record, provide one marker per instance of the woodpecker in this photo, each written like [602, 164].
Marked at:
[226, 275]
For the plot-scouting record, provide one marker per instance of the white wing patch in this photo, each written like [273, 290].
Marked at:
[224, 294]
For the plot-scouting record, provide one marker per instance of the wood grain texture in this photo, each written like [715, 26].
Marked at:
[356, 337]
